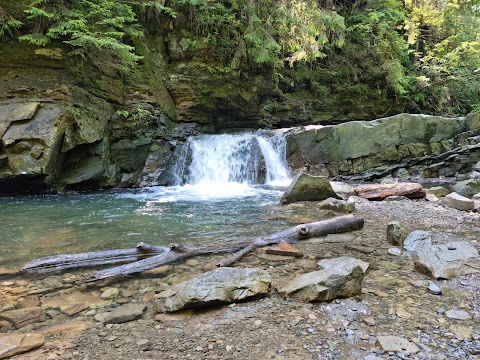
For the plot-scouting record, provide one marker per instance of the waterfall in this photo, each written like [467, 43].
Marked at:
[245, 158]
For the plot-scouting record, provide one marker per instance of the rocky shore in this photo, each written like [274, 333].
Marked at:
[399, 313]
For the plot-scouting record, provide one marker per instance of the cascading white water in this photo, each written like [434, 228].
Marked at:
[219, 161]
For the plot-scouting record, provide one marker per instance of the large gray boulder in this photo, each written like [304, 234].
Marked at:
[306, 187]
[467, 188]
[459, 202]
[447, 261]
[223, 285]
[342, 278]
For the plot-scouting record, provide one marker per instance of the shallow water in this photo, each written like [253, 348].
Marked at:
[37, 226]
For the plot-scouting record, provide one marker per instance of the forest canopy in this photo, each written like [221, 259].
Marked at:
[423, 53]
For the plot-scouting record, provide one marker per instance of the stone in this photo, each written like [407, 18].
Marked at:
[16, 112]
[447, 261]
[438, 191]
[339, 206]
[270, 257]
[284, 248]
[18, 343]
[396, 233]
[306, 187]
[417, 239]
[360, 248]
[110, 293]
[396, 344]
[459, 202]
[456, 314]
[345, 262]
[342, 279]
[431, 198]
[434, 289]
[22, 317]
[223, 285]
[382, 191]
[394, 251]
[125, 313]
[357, 200]
[467, 188]
[476, 196]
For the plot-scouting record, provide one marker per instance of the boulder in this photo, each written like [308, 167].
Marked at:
[417, 239]
[342, 278]
[459, 202]
[467, 188]
[17, 343]
[382, 191]
[306, 187]
[438, 191]
[396, 233]
[340, 206]
[125, 313]
[22, 317]
[223, 285]
[447, 261]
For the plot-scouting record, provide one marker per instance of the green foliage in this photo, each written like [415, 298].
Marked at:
[8, 23]
[264, 32]
[95, 30]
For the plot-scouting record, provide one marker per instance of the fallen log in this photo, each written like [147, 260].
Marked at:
[159, 255]
[382, 191]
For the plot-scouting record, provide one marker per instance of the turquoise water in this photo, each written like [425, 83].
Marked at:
[36, 226]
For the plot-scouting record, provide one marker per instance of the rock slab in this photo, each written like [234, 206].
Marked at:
[285, 249]
[306, 187]
[17, 343]
[342, 278]
[447, 261]
[223, 285]
[417, 239]
[382, 191]
[396, 344]
[22, 317]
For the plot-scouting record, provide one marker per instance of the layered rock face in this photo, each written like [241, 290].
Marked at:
[402, 145]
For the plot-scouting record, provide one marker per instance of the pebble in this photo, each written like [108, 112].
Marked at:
[434, 289]
[395, 251]
[257, 322]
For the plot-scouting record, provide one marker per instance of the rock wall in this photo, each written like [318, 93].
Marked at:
[403, 145]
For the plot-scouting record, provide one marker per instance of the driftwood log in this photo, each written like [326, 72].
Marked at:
[147, 256]
[382, 191]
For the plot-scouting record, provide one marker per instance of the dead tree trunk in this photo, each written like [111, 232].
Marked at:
[147, 257]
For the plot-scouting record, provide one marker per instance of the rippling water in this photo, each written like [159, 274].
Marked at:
[37, 226]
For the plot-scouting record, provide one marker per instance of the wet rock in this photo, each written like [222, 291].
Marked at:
[457, 314]
[434, 289]
[447, 261]
[223, 285]
[342, 278]
[284, 248]
[18, 343]
[306, 187]
[438, 191]
[467, 188]
[339, 206]
[396, 344]
[459, 202]
[22, 317]
[125, 313]
[396, 233]
[417, 239]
